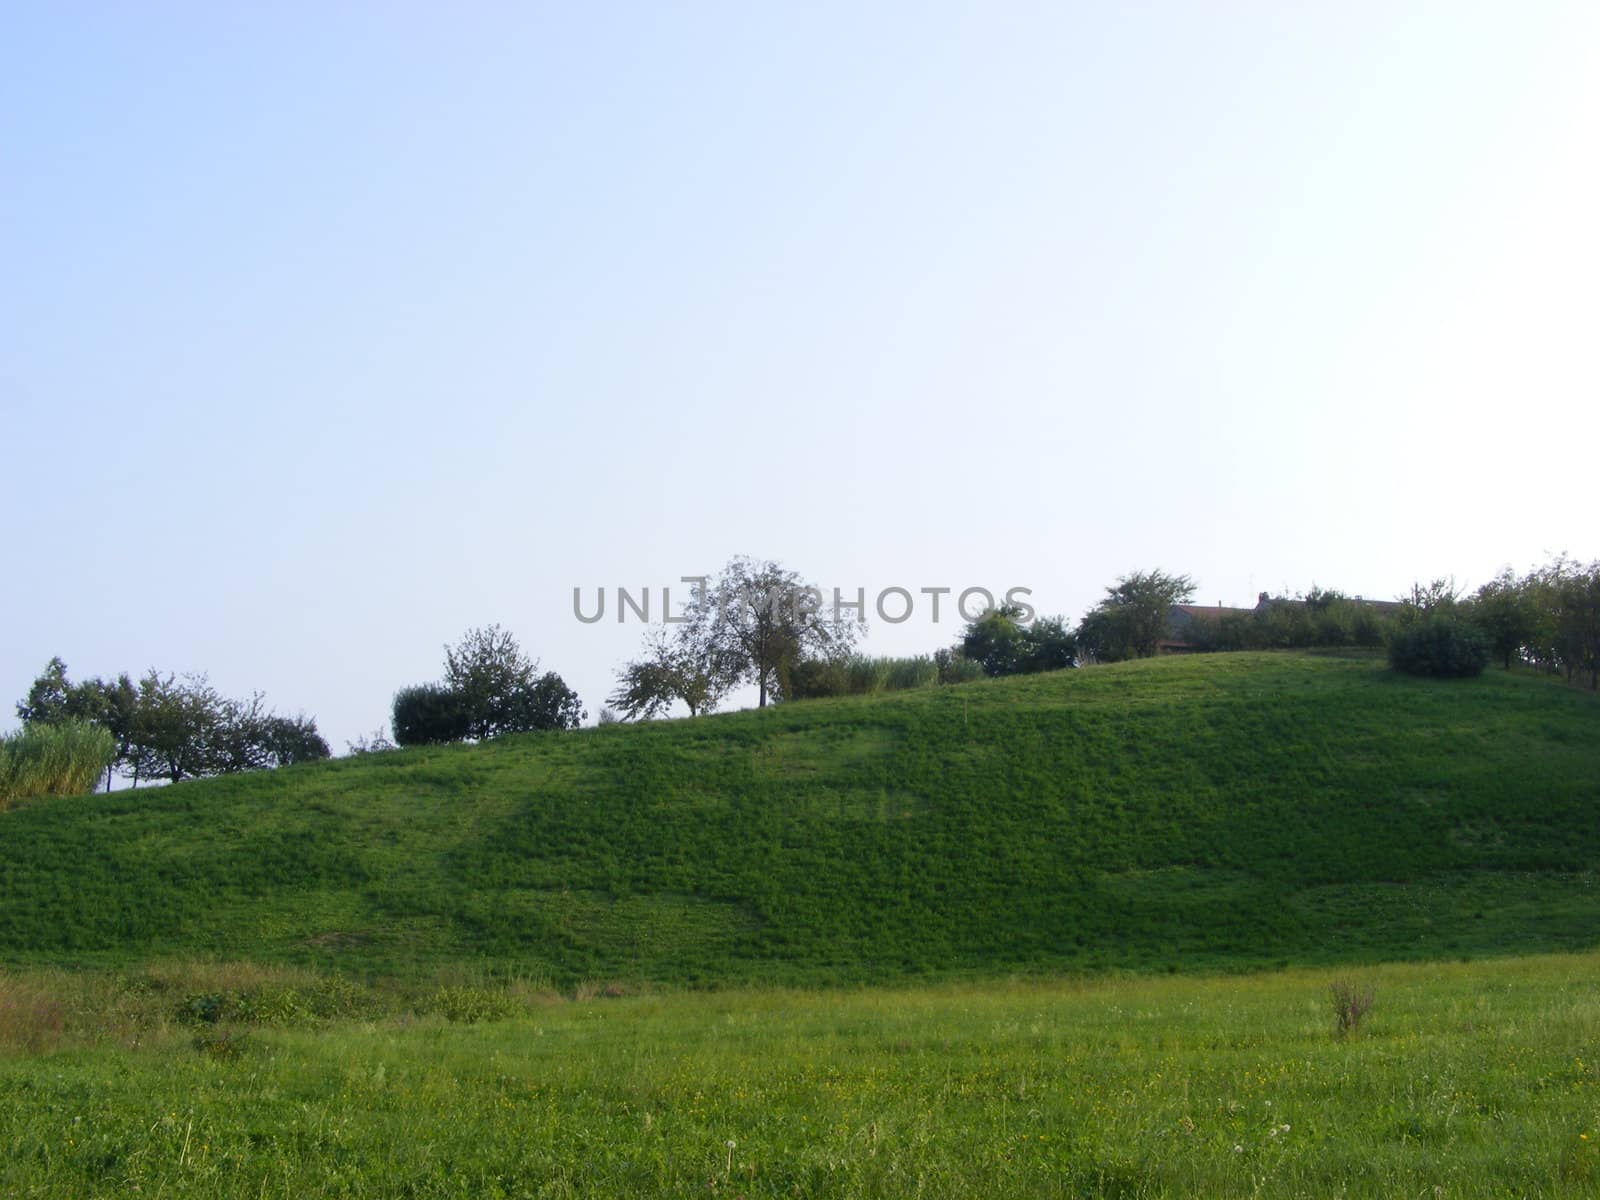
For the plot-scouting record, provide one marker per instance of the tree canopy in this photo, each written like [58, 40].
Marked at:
[490, 687]
[1134, 616]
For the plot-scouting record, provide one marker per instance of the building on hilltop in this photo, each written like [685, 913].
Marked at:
[1180, 617]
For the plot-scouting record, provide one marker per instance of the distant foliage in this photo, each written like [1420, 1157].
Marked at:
[1133, 618]
[490, 687]
[1320, 618]
[955, 667]
[761, 620]
[859, 675]
[173, 727]
[546, 703]
[429, 713]
[375, 742]
[1001, 642]
[61, 759]
[1549, 618]
[1443, 647]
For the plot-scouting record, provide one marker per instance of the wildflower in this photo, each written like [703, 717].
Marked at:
[1238, 1149]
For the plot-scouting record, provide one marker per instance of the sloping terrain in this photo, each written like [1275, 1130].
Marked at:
[1214, 811]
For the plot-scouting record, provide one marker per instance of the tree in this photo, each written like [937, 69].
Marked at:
[490, 687]
[760, 619]
[995, 641]
[1573, 590]
[1002, 644]
[487, 671]
[167, 727]
[1134, 615]
[291, 740]
[1436, 598]
[545, 703]
[48, 698]
[683, 665]
[1504, 610]
[1051, 645]
[177, 726]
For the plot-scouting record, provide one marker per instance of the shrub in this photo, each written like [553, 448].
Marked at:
[223, 1045]
[955, 667]
[815, 678]
[1442, 647]
[858, 675]
[470, 1004]
[63, 759]
[1351, 1001]
[429, 713]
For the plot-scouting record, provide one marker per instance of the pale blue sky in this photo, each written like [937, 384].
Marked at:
[330, 331]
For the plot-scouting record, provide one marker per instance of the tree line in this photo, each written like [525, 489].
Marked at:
[169, 727]
[1547, 618]
[760, 624]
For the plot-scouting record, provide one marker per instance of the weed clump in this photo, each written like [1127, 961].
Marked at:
[222, 1045]
[467, 1005]
[1351, 1002]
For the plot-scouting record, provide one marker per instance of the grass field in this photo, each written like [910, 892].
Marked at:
[1015, 938]
[1215, 812]
[1464, 1080]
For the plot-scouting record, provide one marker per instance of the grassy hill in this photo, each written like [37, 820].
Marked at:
[1220, 811]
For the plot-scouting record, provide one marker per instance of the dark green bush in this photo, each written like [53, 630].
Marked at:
[429, 713]
[1441, 647]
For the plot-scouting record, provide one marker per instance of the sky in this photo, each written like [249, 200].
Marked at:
[328, 332]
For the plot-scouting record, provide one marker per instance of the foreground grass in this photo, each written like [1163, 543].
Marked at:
[1465, 1080]
[1214, 812]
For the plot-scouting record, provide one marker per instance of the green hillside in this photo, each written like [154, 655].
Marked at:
[1218, 811]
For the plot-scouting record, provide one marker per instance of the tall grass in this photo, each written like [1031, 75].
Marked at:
[862, 675]
[53, 760]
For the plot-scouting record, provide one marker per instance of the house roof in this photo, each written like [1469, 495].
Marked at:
[1211, 611]
[1382, 606]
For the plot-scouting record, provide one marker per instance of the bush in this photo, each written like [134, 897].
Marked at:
[63, 759]
[429, 713]
[1351, 1002]
[858, 675]
[544, 703]
[467, 1005]
[955, 667]
[1442, 647]
[490, 687]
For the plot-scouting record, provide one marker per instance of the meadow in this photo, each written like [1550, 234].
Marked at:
[1464, 1080]
[1062, 935]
